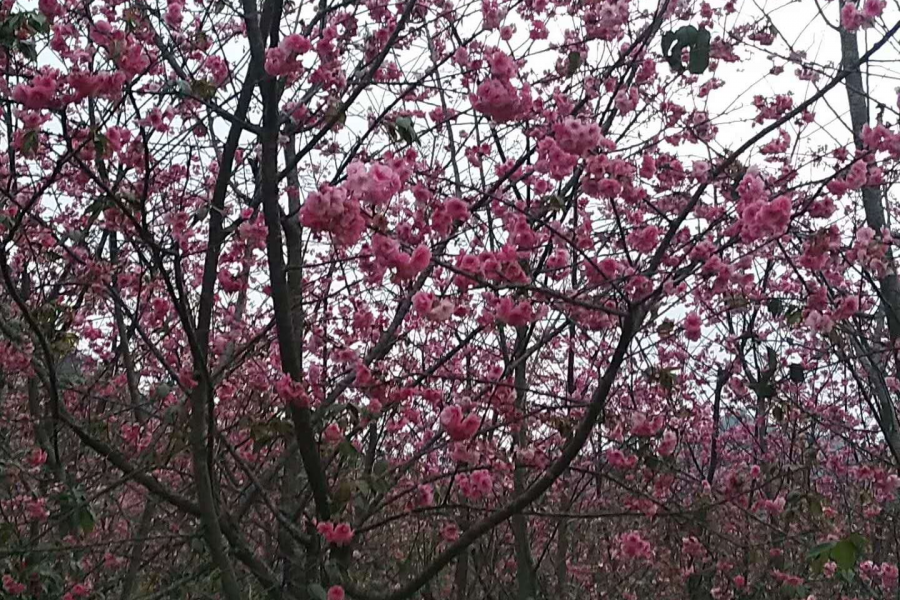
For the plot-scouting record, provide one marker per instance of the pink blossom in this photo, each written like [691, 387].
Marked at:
[693, 327]
[668, 444]
[332, 434]
[450, 532]
[644, 240]
[577, 137]
[457, 426]
[11, 586]
[292, 392]
[618, 459]
[424, 495]
[377, 184]
[330, 209]
[339, 535]
[37, 509]
[641, 426]
[553, 160]
[627, 101]
[37, 457]
[501, 101]
[889, 576]
[516, 314]
[482, 483]
[335, 592]
[51, 9]
[38, 93]
[634, 547]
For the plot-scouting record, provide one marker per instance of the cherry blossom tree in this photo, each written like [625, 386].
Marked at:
[432, 299]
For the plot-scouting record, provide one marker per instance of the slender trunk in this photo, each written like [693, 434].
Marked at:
[873, 205]
[137, 550]
[525, 575]
[461, 576]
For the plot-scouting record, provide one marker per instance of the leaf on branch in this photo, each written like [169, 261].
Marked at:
[317, 591]
[844, 554]
[574, 63]
[696, 40]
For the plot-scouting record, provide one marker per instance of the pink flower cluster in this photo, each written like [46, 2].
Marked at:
[881, 139]
[553, 160]
[852, 18]
[634, 547]
[477, 485]
[609, 178]
[339, 535]
[644, 240]
[13, 587]
[668, 444]
[497, 97]
[693, 327]
[453, 209]
[858, 176]
[870, 250]
[770, 109]
[386, 253]
[378, 184]
[335, 592]
[457, 426]
[642, 426]
[333, 211]
[282, 60]
[437, 310]
[515, 314]
[38, 94]
[174, 14]
[577, 137]
[292, 392]
[620, 460]
[760, 218]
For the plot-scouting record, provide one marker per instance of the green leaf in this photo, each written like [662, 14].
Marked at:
[38, 22]
[845, 554]
[30, 142]
[406, 130]
[344, 492]
[772, 362]
[380, 467]
[574, 63]
[7, 531]
[775, 306]
[857, 540]
[347, 449]
[317, 591]
[554, 202]
[668, 39]
[28, 49]
[699, 58]
[101, 143]
[797, 373]
[673, 43]
[820, 549]
[86, 520]
[815, 507]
